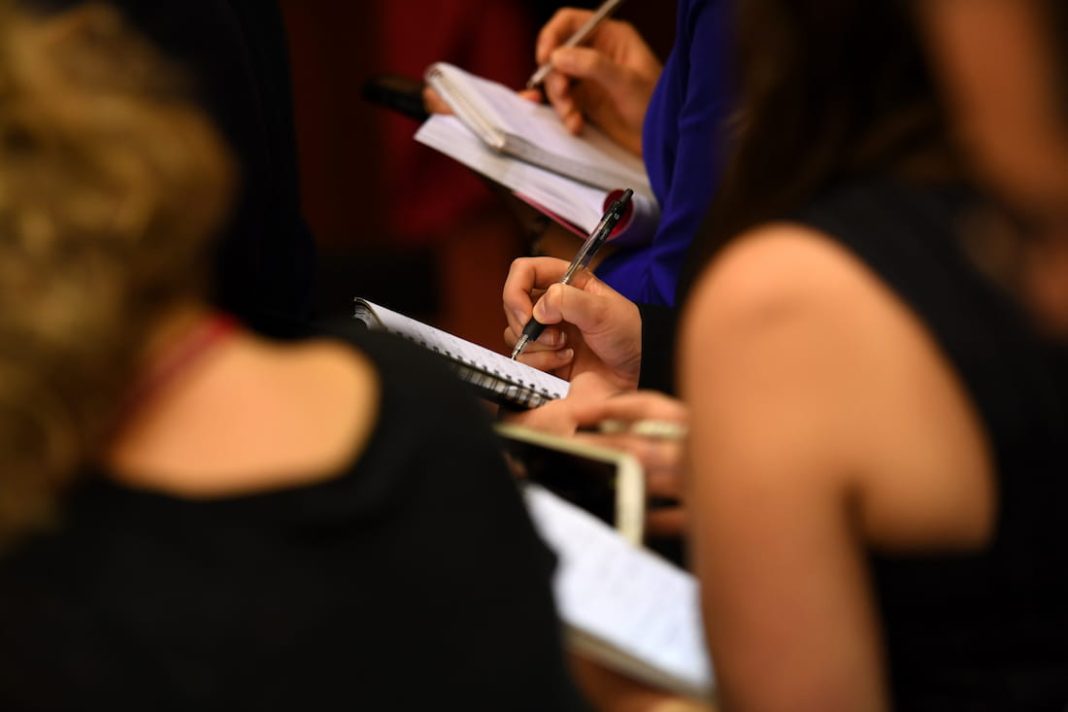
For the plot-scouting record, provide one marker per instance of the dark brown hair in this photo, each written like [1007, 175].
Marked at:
[110, 185]
[1058, 10]
[826, 90]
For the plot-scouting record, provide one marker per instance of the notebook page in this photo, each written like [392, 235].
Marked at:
[539, 125]
[470, 354]
[576, 202]
[627, 597]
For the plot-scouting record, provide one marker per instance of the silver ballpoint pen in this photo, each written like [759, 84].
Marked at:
[602, 13]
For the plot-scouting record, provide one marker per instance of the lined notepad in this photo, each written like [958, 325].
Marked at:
[624, 606]
[494, 376]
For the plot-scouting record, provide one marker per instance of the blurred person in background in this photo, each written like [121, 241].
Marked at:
[997, 70]
[397, 222]
[430, 198]
[192, 516]
[878, 486]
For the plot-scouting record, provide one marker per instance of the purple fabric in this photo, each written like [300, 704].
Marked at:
[683, 151]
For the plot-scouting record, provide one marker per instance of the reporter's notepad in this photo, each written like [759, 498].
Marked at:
[624, 607]
[493, 376]
[532, 132]
[573, 203]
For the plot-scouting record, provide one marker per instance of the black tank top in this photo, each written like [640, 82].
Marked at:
[413, 580]
[986, 630]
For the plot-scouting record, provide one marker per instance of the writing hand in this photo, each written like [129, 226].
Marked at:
[608, 80]
[591, 327]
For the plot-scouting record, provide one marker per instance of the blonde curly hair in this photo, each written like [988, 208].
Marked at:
[111, 183]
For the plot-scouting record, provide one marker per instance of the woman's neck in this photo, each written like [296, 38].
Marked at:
[174, 347]
[172, 329]
[241, 414]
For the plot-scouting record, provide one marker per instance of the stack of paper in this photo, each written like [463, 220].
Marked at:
[524, 147]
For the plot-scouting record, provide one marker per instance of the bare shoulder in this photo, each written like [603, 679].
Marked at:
[778, 269]
[790, 339]
[258, 416]
[777, 328]
[789, 300]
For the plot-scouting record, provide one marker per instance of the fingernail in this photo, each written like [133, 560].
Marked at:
[520, 316]
[567, 354]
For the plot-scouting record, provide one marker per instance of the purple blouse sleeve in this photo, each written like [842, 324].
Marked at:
[683, 152]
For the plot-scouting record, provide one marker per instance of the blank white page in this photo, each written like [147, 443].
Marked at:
[626, 596]
[465, 352]
[572, 200]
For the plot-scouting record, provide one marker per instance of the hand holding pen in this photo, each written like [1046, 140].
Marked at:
[533, 328]
[606, 79]
[577, 37]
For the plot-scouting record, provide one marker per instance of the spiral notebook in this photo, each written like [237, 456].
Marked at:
[493, 376]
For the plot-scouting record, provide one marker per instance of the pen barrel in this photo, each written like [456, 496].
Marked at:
[600, 14]
[584, 257]
[599, 236]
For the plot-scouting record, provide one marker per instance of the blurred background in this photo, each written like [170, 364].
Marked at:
[396, 222]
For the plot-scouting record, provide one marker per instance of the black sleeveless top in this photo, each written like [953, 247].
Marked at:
[986, 630]
[412, 580]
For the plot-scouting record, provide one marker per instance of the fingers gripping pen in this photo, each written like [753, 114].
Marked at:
[586, 253]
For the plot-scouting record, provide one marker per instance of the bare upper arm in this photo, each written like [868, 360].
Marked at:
[824, 421]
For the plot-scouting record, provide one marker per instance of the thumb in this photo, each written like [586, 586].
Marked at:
[588, 63]
[584, 310]
[533, 95]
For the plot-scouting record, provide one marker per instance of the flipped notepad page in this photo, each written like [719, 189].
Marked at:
[497, 377]
[509, 123]
[562, 198]
[624, 599]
